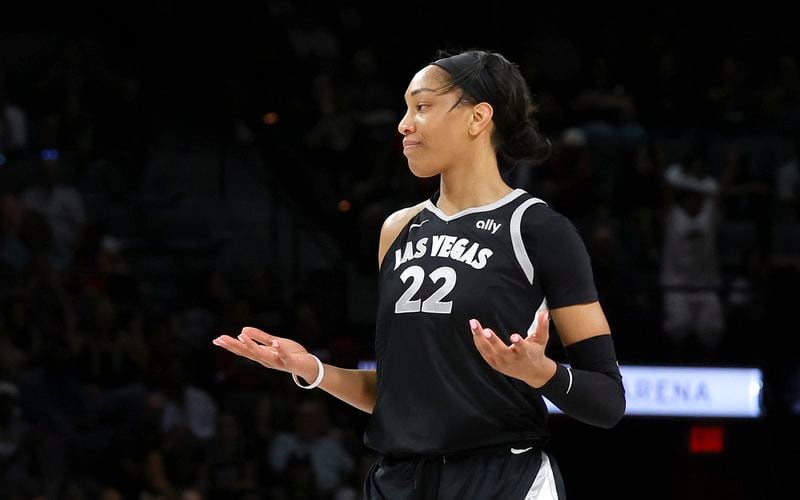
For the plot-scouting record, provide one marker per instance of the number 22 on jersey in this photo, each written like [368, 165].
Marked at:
[432, 304]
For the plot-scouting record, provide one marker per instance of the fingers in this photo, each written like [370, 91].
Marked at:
[231, 344]
[541, 333]
[281, 354]
[525, 346]
[479, 337]
[246, 347]
[256, 338]
[260, 351]
[518, 342]
[489, 345]
[483, 337]
[258, 335]
[525, 354]
[251, 345]
[486, 335]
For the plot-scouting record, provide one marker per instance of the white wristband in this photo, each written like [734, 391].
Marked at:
[316, 382]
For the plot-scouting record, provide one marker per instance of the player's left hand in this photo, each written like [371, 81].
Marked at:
[524, 359]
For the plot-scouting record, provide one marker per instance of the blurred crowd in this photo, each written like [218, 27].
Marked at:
[146, 190]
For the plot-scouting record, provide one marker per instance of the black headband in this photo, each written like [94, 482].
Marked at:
[467, 72]
[457, 64]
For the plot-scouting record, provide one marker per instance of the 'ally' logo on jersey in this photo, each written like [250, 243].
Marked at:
[489, 225]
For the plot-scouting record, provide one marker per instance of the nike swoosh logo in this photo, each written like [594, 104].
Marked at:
[517, 451]
[417, 225]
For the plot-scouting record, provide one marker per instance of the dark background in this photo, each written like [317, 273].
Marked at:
[231, 165]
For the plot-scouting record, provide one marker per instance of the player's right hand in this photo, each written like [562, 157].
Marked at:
[273, 352]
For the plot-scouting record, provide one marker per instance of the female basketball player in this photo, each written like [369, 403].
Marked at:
[469, 280]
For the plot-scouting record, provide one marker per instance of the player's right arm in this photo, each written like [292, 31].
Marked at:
[357, 388]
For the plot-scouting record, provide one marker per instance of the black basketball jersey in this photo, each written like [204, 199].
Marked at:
[499, 263]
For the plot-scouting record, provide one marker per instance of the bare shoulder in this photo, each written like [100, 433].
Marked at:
[395, 222]
[392, 226]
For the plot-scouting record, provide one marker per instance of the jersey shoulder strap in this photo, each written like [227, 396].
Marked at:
[515, 229]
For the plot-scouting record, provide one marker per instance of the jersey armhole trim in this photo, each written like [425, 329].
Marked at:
[416, 210]
[516, 238]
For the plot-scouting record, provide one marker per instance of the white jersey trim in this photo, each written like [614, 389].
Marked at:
[516, 238]
[483, 208]
[542, 307]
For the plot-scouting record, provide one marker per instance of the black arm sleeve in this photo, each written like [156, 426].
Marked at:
[591, 389]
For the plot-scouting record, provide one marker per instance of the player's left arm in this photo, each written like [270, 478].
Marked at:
[590, 388]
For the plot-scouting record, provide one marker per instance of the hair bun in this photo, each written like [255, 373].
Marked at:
[526, 143]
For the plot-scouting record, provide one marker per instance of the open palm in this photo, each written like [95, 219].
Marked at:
[273, 352]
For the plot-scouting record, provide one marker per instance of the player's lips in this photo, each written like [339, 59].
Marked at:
[409, 144]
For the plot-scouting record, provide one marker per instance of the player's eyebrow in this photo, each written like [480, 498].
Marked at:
[421, 89]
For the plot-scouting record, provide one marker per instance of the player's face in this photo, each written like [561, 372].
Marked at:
[433, 130]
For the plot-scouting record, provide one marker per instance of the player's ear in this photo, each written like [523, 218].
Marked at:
[481, 118]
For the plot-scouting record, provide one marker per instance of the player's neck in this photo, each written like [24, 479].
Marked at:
[460, 190]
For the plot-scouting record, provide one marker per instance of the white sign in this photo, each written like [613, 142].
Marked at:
[690, 392]
[684, 391]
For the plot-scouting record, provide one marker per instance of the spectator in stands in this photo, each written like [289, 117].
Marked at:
[330, 464]
[61, 204]
[13, 125]
[690, 274]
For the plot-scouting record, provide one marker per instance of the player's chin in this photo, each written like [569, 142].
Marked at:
[420, 169]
